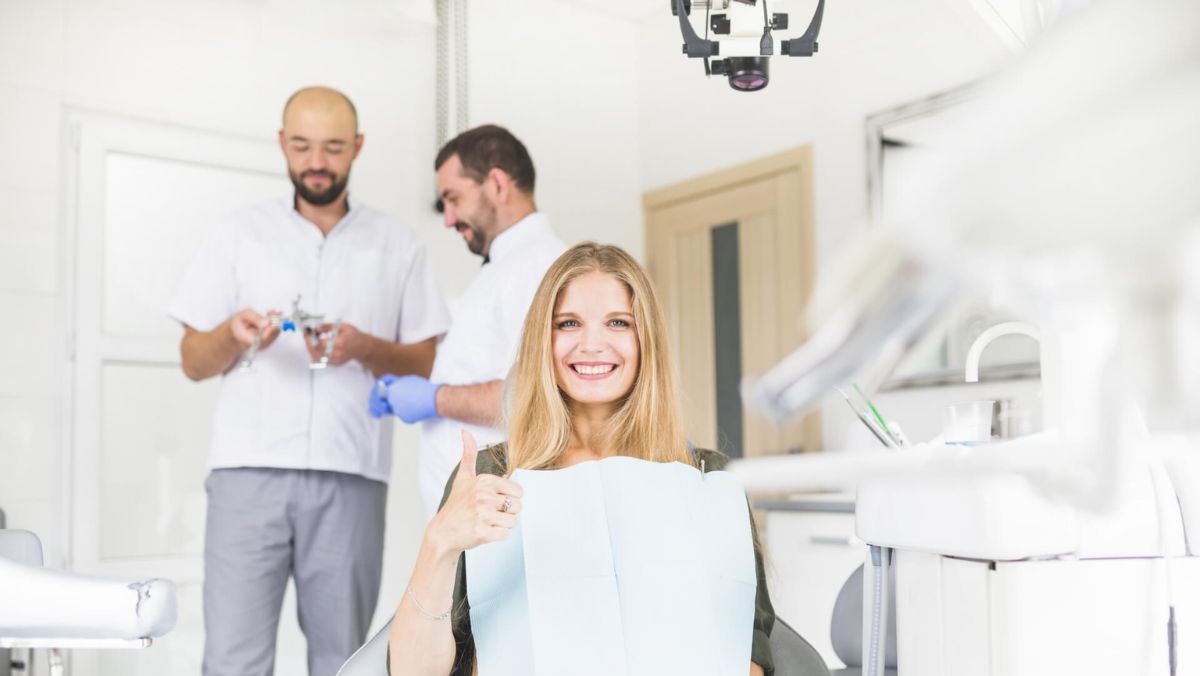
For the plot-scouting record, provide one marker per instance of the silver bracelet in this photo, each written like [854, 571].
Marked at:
[426, 613]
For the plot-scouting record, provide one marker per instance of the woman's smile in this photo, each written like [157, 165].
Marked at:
[593, 370]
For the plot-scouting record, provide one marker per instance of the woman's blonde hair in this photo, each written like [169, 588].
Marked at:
[646, 425]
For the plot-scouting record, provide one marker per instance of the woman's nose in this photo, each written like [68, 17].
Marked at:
[591, 342]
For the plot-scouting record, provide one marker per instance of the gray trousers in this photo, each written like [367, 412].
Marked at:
[325, 529]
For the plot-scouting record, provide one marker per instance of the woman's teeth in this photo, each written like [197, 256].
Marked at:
[593, 370]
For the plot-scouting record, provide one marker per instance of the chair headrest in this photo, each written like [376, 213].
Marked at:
[21, 546]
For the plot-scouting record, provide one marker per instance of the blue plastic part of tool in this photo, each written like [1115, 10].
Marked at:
[289, 326]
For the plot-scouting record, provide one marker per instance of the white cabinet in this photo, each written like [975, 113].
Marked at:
[810, 550]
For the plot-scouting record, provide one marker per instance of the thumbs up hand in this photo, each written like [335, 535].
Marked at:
[480, 508]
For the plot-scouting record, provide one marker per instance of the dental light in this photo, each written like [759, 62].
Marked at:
[745, 38]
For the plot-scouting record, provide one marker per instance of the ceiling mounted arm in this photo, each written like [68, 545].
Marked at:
[805, 45]
[694, 46]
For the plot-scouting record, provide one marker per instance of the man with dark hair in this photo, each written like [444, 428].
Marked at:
[299, 471]
[485, 182]
[482, 149]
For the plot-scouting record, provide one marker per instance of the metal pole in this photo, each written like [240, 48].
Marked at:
[5, 653]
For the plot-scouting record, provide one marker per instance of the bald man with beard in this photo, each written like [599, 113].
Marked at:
[298, 469]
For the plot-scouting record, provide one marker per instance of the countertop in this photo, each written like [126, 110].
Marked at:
[808, 502]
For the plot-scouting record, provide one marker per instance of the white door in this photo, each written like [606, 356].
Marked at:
[143, 197]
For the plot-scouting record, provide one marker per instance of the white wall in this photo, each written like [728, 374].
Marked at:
[563, 79]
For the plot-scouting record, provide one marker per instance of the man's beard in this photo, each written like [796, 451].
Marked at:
[323, 197]
[480, 242]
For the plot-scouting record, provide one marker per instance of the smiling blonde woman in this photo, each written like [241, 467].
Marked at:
[592, 380]
[645, 419]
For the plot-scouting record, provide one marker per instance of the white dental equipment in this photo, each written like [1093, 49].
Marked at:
[43, 608]
[1071, 195]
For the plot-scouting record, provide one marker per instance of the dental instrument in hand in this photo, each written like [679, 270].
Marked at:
[301, 321]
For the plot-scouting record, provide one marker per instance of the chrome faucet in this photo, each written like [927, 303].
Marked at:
[971, 374]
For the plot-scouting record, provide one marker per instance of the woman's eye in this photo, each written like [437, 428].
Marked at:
[619, 323]
[567, 324]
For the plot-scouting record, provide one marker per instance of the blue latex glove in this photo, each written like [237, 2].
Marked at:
[410, 398]
[378, 404]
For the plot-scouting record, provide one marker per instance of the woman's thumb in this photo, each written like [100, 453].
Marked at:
[470, 452]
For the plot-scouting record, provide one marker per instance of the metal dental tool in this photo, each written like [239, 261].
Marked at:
[301, 321]
[881, 432]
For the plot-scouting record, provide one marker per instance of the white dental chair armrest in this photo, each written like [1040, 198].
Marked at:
[21, 546]
[59, 608]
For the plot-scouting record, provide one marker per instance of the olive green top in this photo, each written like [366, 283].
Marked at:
[492, 461]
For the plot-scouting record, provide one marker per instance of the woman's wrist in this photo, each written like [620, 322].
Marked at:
[433, 576]
[436, 547]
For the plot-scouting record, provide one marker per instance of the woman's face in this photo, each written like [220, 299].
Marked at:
[594, 340]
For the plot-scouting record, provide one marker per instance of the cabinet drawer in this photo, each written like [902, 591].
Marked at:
[809, 556]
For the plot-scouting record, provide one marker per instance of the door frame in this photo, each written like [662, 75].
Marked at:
[795, 159]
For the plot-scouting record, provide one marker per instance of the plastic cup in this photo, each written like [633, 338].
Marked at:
[968, 423]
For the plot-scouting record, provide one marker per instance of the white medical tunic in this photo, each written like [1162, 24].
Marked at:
[481, 346]
[370, 271]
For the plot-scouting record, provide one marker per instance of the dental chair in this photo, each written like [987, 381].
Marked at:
[371, 658]
[43, 608]
[793, 655]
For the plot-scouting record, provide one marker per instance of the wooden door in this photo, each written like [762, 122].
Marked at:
[732, 257]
